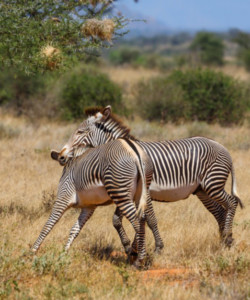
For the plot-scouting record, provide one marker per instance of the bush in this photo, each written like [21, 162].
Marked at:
[18, 90]
[197, 94]
[87, 87]
[213, 96]
[15, 86]
[210, 48]
[53, 95]
[160, 99]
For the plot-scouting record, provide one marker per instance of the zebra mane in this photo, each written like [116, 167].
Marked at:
[125, 131]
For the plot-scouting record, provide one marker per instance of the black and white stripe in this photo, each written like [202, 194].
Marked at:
[194, 165]
[117, 172]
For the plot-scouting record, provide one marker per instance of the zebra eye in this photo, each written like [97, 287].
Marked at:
[80, 131]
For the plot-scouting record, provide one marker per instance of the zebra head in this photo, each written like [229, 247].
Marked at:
[99, 128]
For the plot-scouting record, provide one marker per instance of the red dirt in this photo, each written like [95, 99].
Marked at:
[173, 276]
[163, 272]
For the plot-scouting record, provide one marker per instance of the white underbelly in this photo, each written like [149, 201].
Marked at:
[96, 195]
[170, 194]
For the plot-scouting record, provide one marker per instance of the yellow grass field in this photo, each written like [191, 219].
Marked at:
[193, 265]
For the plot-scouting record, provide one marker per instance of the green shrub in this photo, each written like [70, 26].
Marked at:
[15, 86]
[213, 96]
[160, 99]
[54, 95]
[87, 87]
[196, 94]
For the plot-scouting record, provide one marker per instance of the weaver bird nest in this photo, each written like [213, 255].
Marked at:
[51, 56]
[103, 29]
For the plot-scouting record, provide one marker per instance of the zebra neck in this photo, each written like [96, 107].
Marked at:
[114, 130]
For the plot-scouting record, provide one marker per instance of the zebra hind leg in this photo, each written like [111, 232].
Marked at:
[229, 203]
[127, 209]
[152, 224]
[215, 209]
[117, 222]
[140, 244]
[227, 234]
[120, 189]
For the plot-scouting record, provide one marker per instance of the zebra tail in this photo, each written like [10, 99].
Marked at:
[143, 199]
[234, 188]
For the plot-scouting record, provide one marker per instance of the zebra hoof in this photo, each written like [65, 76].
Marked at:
[128, 250]
[139, 264]
[229, 242]
[158, 250]
[132, 257]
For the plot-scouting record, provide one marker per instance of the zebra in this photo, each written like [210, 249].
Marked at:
[195, 165]
[116, 172]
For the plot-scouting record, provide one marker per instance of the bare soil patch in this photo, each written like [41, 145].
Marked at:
[173, 276]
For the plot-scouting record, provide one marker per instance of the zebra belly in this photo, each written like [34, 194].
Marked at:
[96, 195]
[171, 194]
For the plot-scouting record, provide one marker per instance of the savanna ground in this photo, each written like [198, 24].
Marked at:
[193, 264]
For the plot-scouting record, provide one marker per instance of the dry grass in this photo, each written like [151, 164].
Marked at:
[235, 71]
[193, 265]
[127, 77]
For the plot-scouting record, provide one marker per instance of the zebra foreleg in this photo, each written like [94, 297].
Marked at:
[85, 214]
[117, 222]
[58, 209]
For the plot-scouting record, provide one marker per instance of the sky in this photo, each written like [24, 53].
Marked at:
[217, 15]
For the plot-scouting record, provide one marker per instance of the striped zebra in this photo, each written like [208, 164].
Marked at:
[117, 172]
[182, 167]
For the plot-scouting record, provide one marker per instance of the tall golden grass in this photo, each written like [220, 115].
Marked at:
[193, 264]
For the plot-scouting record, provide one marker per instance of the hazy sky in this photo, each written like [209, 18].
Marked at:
[196, 14]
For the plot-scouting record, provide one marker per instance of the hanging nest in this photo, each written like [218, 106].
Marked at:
[51, 56]
[103, 29]
[55, 20]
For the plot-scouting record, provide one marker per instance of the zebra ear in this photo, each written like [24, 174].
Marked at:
[54, 154]
[106, 112]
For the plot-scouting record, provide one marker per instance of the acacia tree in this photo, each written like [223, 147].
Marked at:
[40, 35]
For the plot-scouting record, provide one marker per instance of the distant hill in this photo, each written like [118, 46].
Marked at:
[143, 26]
